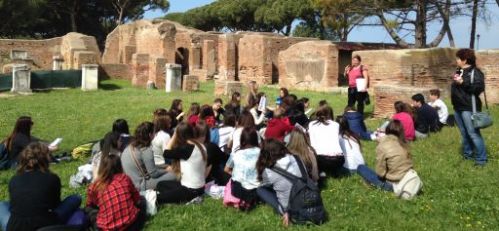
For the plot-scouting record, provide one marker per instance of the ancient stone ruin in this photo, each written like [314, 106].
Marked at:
[67, 52]
[147, 52]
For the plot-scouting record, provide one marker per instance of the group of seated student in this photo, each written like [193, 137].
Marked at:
[177, 155]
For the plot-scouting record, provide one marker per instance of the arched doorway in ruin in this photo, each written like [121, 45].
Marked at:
[182, 58]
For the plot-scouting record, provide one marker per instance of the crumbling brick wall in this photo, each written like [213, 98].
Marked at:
[488, 62]
[309, 65]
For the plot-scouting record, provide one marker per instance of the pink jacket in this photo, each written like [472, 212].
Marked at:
[407, 123]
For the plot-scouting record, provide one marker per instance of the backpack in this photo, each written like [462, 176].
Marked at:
[4, 157]
[305, 202]
[409, 186]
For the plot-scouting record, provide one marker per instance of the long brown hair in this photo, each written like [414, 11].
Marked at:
[272, 150]
[35, 157]
[23, 126]
[395, 128]
[143, 135]
[110, 165]
[299, 145]
[183, 134]
[324, 114]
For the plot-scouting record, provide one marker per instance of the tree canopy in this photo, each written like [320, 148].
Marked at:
[49, 18]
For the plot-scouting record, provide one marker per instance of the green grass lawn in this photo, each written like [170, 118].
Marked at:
[456, 195]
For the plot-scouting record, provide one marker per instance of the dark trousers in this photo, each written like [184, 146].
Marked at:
[356, 97]
[268, 195]
[332, 165]
[174, 192]
[140, 221]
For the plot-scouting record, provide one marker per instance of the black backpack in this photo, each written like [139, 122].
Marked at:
[305, 203]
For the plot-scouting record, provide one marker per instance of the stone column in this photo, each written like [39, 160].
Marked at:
[57, 61]
[89, 77]
[195, 62]
[21, 79]
[173, 77]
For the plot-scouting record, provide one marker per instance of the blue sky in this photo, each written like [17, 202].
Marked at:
[489, 33]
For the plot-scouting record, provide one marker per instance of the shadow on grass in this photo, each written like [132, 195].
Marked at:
[109, 86]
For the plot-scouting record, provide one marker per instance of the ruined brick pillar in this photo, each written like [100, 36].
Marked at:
[195, 57]
[227, 55]
[140, 69]
[209, 57]
[190, 83]
[157, 71]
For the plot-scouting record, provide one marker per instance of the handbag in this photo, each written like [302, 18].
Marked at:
[480, 119]
[149, 195]
[409, 186]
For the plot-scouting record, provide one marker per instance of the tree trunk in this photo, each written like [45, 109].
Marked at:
[400, 42]
[420, 24]
[446, 20]
[473, 24]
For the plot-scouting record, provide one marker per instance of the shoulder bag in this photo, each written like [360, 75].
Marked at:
[149, 195]
[479, 119]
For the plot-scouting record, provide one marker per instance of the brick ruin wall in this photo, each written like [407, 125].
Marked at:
[75, 49]
[258, 57]
[422, 69]
[386, 95]
[310, 65]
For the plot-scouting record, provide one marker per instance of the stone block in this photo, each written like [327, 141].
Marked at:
[227, 87]
[310, 65]
[90, 77]
[190, 83]
[201, 73]
[21, 79]
[173, 77]
[57, 62]
[84, 57]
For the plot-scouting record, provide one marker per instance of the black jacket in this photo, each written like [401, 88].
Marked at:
[426, 119]
[461, 93]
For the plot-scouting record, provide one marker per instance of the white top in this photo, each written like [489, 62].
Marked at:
[225, 134]
[443, 112]
[353, 155]
[325, 138]
[258, 119]
[243, 165]
[158, 145]
[193, 170]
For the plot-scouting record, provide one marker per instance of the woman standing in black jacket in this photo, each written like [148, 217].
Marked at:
[469, 82]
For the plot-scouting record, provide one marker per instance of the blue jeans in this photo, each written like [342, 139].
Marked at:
[471, 137]
[4, 214]
[268, 195]
[372, 178]
[64, 211]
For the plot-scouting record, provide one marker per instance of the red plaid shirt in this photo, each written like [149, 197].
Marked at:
[116, 203]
